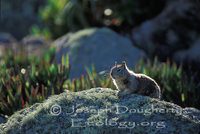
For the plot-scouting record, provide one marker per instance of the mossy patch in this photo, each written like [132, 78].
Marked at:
[99, 110]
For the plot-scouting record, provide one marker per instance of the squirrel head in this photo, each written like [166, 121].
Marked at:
[119, 71]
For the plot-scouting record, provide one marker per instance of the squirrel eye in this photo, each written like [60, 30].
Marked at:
[118, 70]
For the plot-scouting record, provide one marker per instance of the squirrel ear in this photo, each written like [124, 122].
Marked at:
[124, 64]
[115, 64]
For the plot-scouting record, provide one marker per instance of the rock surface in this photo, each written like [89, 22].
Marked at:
[2, 120]
[193, 111]
[7, 41]
[35, 44]
[99, 46]
[175, 28]
[189, 55]
[98, 111]
[32, 44]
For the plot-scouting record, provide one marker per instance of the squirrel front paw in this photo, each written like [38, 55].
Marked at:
[121, 94]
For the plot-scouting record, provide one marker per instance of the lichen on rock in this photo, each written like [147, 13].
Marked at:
[99, 110]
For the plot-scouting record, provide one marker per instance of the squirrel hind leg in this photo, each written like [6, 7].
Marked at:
[155, 95]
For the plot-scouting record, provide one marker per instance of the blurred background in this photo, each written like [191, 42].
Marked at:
[51, 46]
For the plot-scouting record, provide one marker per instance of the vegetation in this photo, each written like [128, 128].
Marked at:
[175, 85]
[91, 80]
[61, 16]
[26, 80]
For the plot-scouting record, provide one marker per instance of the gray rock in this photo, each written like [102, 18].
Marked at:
[189, 55]
[98, 111]
[36, 40]
[7, 41]
[102, 47]
[193, 111]
[35, 44]
[175, 28]
[2, 120]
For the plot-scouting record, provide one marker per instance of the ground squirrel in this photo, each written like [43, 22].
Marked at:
[128, 82]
